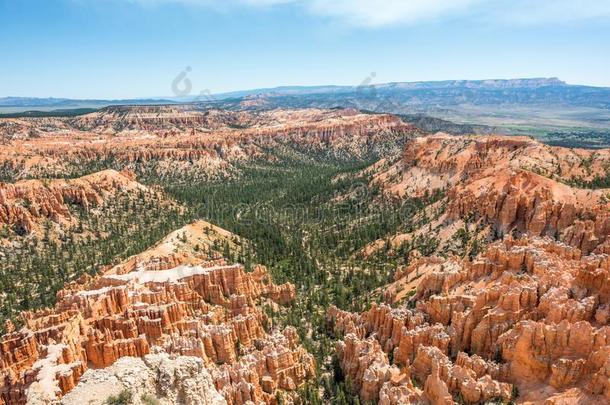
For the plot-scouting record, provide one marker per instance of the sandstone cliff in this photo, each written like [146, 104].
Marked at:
[179, 298]
[26, 204]
[526, 320]
[180, 140]
[503, 185]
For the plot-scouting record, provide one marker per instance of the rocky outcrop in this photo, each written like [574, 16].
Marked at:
[185, 142]
[445, 161]
[528, 203]
[190, 303]
[407, 337]
[514, 185]
[26, 204]
[532, 312]
[155, 377]
[367, 366]
[376, 379]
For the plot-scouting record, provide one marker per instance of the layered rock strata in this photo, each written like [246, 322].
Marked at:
[526, 320]
[532, 312]
[24, 205]
[179, 298]
[173, 141]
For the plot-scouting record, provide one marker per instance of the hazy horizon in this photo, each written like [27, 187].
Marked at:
[289, 86]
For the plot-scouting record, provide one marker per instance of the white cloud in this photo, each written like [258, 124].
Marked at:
[376, 13]
[373, 13]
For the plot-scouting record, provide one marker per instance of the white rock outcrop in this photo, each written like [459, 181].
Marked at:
[156, 378]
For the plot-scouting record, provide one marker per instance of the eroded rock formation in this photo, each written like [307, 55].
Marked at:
[179, 140]
[179, 298]
[525, 320]
[532, 312]
[502, 185]
[24, 205]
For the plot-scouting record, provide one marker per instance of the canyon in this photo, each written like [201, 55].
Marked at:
[509, 304]
[176, 142]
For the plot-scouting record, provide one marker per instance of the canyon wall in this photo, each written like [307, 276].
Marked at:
[26, 204]
[180, 298]
[525, 320]
[178, 140]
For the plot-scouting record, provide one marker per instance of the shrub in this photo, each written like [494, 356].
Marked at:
[149, 399]
[124, 398]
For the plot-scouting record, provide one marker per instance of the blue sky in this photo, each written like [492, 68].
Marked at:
[135, 48]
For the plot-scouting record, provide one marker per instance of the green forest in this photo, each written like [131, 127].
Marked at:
[307, 224]
[307, 215]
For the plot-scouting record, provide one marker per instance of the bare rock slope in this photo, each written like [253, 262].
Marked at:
[525, 320]
[178, 380]
[181, 299]
[24, 205]
[172, 141]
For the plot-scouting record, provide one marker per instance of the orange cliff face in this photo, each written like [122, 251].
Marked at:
[178, 298]
[183, 139]
[24, 205]
[444, 161]
[526, 320]
[510, 185]
[533, 314]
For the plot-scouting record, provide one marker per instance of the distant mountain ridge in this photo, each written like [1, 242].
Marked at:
[417, 95]
[481, 84]
[473, 84]
[527, 83]
[545, 105]
[17, 104]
